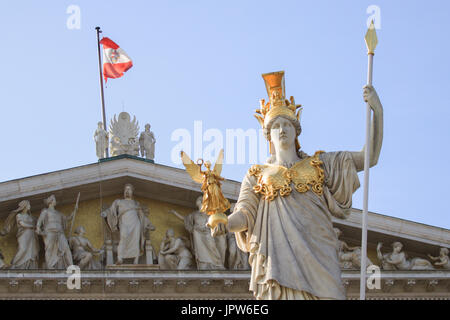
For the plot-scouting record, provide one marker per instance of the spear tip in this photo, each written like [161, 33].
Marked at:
[371, 39]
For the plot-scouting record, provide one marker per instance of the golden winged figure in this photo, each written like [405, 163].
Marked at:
[214, 203]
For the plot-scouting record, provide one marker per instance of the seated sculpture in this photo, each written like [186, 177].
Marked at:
[349, 257]
[84, 254]
[174, 253]
[444, 260]
[210, 252]
[397, 260]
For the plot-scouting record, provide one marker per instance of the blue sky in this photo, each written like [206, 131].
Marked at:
[203, 60]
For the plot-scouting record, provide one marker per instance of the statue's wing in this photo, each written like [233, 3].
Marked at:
[219, 162]
[134, 128]
[191, 168]
[114, 127]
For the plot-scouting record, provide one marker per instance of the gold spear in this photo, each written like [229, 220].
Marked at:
[371, 42]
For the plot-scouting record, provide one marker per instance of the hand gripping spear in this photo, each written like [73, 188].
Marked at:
[371, 43]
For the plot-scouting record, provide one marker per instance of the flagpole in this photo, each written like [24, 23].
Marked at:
[371, 42]
[101, 83]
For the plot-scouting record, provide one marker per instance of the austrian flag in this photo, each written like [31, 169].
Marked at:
[115, 60]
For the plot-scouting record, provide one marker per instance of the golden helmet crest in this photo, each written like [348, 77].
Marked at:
[277, 104]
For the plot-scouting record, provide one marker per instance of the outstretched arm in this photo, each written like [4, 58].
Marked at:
[237, 222]
[376, 130]
[379, 254]
[443, 262]
[179, 216]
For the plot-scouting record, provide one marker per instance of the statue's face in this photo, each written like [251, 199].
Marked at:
[282, 133]
[128, 192]
[52, 201]
[397, 248]
[147, 127]
[170, 233]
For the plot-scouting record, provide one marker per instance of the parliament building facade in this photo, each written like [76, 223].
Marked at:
[162, 190]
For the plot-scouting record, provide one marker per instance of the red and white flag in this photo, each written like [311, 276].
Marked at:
[115, 59]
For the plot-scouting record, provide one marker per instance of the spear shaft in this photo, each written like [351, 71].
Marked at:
[75, 212]
[371, 42]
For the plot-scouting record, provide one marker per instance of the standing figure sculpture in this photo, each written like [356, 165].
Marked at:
[51, 225]
[174, 254]
[147, 143]
[101, 141]
[27, 255]
[397, 259]
[283, 214]
[129, 217]
[84, 254]
[210, 252]
[444, 260]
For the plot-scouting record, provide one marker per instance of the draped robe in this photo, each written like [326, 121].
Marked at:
[293, 247]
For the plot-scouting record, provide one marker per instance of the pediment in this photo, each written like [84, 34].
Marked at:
[103, 179]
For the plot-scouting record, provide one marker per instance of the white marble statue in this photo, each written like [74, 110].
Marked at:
[27, 255]
[210, 252]
[444, 260]
[101, 141]
[51, 225]
[349, 257]
[147, 143]
[84, 254]
[174, 253]
[283, 214]
[129, 218]
[123, 134]
[397, 259]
